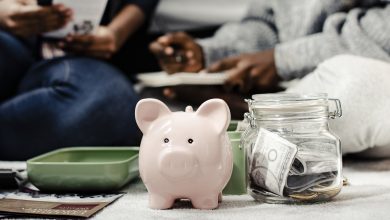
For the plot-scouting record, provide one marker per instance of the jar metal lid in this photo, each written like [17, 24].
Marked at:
[283, 104]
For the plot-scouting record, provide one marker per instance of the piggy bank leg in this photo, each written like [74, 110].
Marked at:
[219, 197]
[158, 201]
[205, 202]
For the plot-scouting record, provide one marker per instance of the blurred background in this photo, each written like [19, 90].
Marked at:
[174, 15]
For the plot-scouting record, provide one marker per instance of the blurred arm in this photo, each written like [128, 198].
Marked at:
[130, 18]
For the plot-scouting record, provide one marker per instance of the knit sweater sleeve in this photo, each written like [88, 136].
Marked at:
[256, 32]
[361, 32]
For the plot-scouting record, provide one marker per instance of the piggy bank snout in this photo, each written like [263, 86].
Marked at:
[177, 163]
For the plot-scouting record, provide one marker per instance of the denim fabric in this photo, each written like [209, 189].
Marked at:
[15, 60]
[69, 101]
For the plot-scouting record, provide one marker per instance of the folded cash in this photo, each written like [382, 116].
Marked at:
[298, 184]
[272, 158]
[285, 168]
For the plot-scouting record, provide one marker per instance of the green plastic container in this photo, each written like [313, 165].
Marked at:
[237, 184]
[234, 135]
[84, 169]
[233, 125]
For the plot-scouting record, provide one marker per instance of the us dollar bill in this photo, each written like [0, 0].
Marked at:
[272, 157]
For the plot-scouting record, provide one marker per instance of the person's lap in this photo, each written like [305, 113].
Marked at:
[362, 85]
[64, 102]
[15, 60]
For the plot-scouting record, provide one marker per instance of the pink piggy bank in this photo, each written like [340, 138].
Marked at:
[184, 155]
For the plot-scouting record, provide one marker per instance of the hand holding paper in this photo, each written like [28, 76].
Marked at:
[102, 43]
[87, 16]
[27, 20]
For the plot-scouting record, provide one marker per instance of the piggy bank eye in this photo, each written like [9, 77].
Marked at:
[166, 140]
[190, 141]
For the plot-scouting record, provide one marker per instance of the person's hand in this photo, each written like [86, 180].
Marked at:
[249, 72]
[27, 20]
[102, 43]
[178, 52]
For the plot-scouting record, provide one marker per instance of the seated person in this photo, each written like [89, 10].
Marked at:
[283, 40]
[80, 99]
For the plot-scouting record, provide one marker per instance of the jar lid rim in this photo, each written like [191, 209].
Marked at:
[288, 97]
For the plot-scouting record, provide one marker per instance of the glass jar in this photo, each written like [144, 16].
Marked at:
[292, 156]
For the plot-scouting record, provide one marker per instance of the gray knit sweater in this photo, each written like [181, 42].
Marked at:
[305, 32]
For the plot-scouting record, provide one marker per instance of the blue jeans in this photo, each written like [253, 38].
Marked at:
[69, 101]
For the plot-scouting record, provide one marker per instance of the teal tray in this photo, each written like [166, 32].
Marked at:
[84, 169]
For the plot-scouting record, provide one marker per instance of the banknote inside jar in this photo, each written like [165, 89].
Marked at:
[305, 170]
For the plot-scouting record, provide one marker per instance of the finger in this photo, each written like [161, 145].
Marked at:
[156, 48]
[267, 78]
[179, 38]
[159, 51]
[169, 51]
[169, 93]
[50, 25]
[224, 64]
[42, 20]
[237, 78]
[36, 14]
[64, 12]
[190, 54]
[256, 73]
[60, 8]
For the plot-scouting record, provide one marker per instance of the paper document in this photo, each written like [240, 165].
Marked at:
[160, 79]
[46, 205]
[87, 15]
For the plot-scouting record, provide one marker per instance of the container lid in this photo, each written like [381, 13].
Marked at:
[291, 105]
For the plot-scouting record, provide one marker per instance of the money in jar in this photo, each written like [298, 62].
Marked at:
[292, 155]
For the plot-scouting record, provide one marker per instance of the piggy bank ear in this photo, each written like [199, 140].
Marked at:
[217, 111]
[147, 111]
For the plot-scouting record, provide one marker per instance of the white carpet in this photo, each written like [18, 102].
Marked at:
[367, 197]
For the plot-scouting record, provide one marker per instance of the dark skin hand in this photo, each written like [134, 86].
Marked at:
[178, 52]
[105, 41]
[29, 21]
[100, 44]
[250, 73]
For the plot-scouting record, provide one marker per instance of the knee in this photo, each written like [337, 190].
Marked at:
[89, 83]
[94, 97]
[80, 76]
[109, 105]
[97, 77]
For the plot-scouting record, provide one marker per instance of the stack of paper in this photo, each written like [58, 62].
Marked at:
[160, 79]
